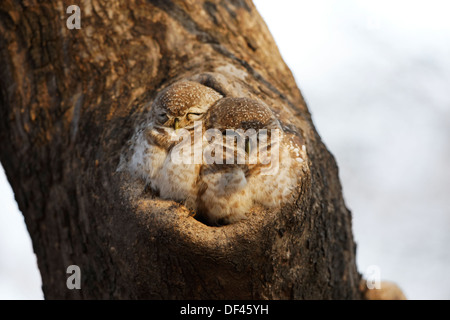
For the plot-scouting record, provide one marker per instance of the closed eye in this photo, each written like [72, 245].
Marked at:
[162, 118]
[194, 116]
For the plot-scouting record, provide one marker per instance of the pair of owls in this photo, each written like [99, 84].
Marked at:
[219, 192]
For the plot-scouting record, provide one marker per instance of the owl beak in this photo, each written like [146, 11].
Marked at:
[176, 124]
[247, 145]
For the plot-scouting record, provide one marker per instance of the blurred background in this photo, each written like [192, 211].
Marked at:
[376, 77]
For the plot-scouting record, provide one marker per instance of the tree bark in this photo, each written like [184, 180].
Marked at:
[71, 99]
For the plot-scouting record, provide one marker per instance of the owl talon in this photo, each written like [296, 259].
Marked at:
[192, 214]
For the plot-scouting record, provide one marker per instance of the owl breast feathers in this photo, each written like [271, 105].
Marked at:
[235, 153]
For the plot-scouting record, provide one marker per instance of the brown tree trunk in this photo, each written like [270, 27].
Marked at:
[70, 101]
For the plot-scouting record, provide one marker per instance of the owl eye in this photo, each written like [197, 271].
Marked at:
[194, 116]
[229, 132]
[162, 118]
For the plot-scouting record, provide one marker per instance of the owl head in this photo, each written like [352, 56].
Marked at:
[182, 103]
[246, 121]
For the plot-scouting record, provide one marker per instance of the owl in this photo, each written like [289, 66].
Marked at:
[228, 189]
[176, 107]
[246, 158]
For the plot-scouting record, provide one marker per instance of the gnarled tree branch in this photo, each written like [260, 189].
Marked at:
[70, 101]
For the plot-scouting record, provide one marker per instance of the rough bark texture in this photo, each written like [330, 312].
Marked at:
[69, 102]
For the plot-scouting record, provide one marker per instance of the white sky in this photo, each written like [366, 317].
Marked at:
[376, 76]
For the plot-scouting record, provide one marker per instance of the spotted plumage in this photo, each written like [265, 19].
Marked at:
[176, 107]
[227, 192]
[262, 167]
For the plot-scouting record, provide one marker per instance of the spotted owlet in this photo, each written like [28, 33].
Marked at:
[261, 168]
[176, 107]
[267, 172]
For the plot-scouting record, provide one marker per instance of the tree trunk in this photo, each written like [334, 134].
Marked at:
[70, 101]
